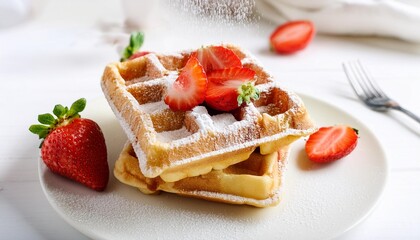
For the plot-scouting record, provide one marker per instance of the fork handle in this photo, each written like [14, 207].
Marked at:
[410, 114]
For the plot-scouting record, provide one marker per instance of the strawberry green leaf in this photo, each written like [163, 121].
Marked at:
[64, 117]
[40, 130]
[76, 108]
[43, 134]
[136, 41]
[59, 110]
[46, 118]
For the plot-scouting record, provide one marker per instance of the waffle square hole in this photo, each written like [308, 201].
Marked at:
[273, 102]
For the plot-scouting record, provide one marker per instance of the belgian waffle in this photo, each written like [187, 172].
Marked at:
[255, 181]
[176, 145]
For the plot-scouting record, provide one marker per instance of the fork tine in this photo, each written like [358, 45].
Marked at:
[363, 80]
[354, 82]
[369, 80]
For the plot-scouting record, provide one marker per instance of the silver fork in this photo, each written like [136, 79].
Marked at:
[369, 91]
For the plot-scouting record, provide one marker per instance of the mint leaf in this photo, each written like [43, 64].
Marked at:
[136, 41]
[46, 118]
[59, 110]
[76, 107]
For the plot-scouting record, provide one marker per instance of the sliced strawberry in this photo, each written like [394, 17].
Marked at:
[229, 88]
[292, 36]
[217, 57]
[138, 54]
[331, 143]
[189, 88]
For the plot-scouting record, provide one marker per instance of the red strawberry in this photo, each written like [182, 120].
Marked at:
[217, 57]
[73, 147]
[138, 54]
[292, 36]
[331, 143]
[229, 88]
[189, 88]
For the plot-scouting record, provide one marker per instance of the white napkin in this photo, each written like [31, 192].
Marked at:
[386, 18]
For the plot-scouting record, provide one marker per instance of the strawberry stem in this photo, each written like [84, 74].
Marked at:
[64, 117]
[247, 92]
[356, 130]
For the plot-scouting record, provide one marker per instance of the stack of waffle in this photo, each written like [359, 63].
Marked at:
[234, 157]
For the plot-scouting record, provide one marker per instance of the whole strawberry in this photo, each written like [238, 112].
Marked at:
[72, 146]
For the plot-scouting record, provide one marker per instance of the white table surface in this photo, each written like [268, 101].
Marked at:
[59, 55]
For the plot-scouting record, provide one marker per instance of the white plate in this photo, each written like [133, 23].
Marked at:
[318, 201]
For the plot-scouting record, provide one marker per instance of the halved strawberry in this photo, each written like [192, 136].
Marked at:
[189, 88]
[331, 143]
[217, 57]
[292, 36]
[229, 88]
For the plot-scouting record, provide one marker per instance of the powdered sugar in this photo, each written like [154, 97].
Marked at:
[222, 121]
[153, 107]
[138, 80]
[169, 136]
[202, 118]
[240, 11]
[171, 77]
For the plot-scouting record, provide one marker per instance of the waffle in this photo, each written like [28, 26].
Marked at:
[176, 145]
[255, 181]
